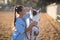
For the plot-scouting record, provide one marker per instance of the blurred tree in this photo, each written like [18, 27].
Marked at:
[58, 1]
[12, 2]
[20, 2]
[23, 2]
[33, 3]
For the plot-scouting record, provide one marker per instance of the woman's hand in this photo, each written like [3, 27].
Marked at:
[34, 23]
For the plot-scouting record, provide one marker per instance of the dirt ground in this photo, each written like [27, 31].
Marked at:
[49, 29]
[6, 25]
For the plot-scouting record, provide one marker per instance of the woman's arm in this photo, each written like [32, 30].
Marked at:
[30, 26]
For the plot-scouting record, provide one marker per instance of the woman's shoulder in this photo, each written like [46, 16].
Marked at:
[27, 15]
[19, 20]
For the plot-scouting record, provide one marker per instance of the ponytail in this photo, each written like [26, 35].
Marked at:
[15, 17]
[17, 10]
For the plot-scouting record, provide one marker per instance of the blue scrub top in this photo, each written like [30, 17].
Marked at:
[18, 33]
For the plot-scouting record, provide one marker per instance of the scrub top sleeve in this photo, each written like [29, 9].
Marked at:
[20, 27]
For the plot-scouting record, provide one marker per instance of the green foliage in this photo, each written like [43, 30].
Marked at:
[13, 2]
[33, 3]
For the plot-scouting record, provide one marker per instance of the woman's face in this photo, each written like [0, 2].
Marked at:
[23, 12]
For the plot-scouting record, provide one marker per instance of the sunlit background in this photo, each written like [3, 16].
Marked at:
[49, 17]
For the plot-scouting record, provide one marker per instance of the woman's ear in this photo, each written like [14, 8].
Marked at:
[17, 15]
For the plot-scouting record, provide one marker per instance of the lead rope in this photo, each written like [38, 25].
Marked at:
[31, 34]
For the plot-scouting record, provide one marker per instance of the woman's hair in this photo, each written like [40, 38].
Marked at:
[17, 10]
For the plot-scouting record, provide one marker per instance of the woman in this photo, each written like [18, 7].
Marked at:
[20, 24]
